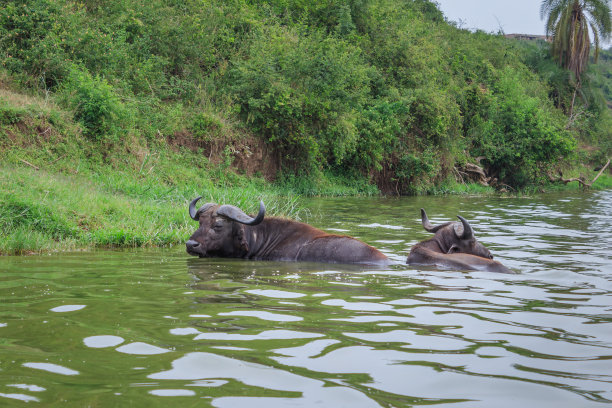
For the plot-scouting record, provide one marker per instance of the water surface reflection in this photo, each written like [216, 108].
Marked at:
[160, 328]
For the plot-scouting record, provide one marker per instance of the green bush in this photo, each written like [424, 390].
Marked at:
[9, 114]
[103, 116]
[519, 134]
[302, 91]
[32, 42]
[380, 127]
[205, 126]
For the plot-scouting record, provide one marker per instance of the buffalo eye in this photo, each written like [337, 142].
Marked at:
[217, 226]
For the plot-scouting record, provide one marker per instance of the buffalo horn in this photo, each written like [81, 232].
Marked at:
[427, 225]
[468, 232]
[192, 210]
[236, 214]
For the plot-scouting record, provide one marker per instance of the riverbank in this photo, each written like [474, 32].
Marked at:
[45, 211]
[55, 209]
[60, 190]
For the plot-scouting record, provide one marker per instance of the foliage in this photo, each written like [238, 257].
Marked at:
[568, 22]
[96, 106]
[601, 76]
[302, 91]
[515, 134]
[352, 92]
[326, 184]
[10, 114]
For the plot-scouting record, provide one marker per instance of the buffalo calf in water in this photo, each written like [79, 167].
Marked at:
[453, 247]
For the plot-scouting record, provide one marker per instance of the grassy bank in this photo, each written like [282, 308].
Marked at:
[50, 210]
[61, 191]
[45, 211]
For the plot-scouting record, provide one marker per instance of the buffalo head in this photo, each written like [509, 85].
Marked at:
[221, 230]
[455, 237]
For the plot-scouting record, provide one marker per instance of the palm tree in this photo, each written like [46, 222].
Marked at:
[568, 23]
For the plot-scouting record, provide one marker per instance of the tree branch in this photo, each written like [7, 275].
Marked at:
[580, 180]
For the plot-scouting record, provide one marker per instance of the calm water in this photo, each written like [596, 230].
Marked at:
[159, 328]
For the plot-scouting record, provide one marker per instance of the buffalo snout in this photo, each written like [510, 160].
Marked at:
[194, 248]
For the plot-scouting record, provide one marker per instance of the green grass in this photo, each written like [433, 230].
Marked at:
[603, 182]
[454, 187]
[42, 211]
[325, 184]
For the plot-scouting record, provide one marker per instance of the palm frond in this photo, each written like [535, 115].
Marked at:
[569, 23]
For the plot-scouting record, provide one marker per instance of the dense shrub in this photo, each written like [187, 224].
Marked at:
[371, 89]
[96, 106]
[302, 91]
[32, 41]
[517, 134]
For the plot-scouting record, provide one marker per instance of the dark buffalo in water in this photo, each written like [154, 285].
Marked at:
[454, 247]
[226, 231]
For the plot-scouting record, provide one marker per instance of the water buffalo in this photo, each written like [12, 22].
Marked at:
[454, 247]
[226, 231]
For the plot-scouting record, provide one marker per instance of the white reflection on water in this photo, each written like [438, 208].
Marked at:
[67, 308]
[173, 393]
[102, 341]
[265, 335]
[202, 366]
[140, 348]
[22, 397]
[52, 368]
[263, 315]
[363, 306]
[275, 293]
[377, 225]
[29, 387]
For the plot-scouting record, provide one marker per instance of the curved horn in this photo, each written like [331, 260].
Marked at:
[427, 225]
[192, 211]
[236, 214]
[468, 232]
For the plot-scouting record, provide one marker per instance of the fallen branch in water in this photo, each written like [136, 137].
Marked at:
[580, 180]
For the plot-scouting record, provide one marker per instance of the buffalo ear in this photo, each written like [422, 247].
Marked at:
[453, 249]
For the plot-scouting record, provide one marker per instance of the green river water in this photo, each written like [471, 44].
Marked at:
[158, 328]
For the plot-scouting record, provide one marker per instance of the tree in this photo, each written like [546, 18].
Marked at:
[568, 23]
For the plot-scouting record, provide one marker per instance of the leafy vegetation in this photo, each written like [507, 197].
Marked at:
[568, 23]
[161, 101]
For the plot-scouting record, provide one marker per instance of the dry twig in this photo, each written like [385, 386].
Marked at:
[30, 164]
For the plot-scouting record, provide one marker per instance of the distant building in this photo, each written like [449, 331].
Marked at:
[529, 37]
